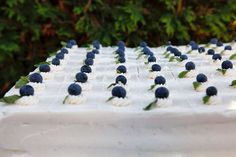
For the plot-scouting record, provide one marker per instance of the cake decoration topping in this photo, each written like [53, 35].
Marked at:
[60, 55]
[201, 78]
[86, 69]
[210, 92]
[189, 66]
[44, 68]
[36, 78]
[155, 67]
[159, 80]
[120, 79]
[226, 65]
[118, 92]
[55, 61]
[121, 69]
[81, 77]
[88, 61]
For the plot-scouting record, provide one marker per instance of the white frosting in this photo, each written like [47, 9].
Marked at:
[47, 75]
[216, 62]
[120, 102]
[214, 100]
[229, 72]
[202, 87]
[91, 76]
[167, 102]
[182, 63]
[191, 74]
[75, 100]
[27, 101]
[56, 68]
[38, 87]
[153, 74]
[85, 86]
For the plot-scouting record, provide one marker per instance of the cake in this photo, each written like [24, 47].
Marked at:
[165, 101]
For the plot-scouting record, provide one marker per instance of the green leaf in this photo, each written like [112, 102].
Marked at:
[152, 86]
[167, 55]
[232, 57]
[109, 99]
[196, 85]
[112, 84]
[183, 74]
[205, 99]
[22, 81]
[165, 52]
[63, 43]
[223, 71]
[172, 58]
[64, 101]
[233, 83]
[189, 52]
[150, 106]
[140, 55]
[10, 99]
[207, 45]
[37, 65]
[179, 59]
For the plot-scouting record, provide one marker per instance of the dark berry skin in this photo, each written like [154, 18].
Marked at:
[143, 44]
[160, 80]
[201, 49]
[169, 48]
[72, 42]
[69, 45]
[156, 67]
[146, 50]
[192, 42]
[36, 77]
[189, 66]
[81, 77]
[177, 53]
[210, 52]
[216, 57]
[121, 69]
[64, 50]
[228, 47]
[74, 89]
[119, 92]
[88, 61]
[121, 59]
[44, 68]
[183, 57]
[26, 90]
[95, 51]
[121, 44]
[194, 47]
[60, 55]
[161, 93]
[121, 79]
[86, 69]
[55, 61]
[213, 41]
[90, 55]
[201, 78]
[211, 91]
[219, 43]
[227, 65]
[151, 59]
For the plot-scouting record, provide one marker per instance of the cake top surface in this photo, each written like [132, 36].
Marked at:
[179, 67]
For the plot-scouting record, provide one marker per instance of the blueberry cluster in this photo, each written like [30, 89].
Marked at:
[120, 53]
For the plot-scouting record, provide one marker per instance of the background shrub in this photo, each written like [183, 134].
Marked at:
[30, 30]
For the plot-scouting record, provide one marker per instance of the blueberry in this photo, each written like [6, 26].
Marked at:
[216, 57]
[119, 92]
[169, 48]
[121, 44]
[64, 50]
[156, 67]
[219, 43]
[213, 41]
[161, 93]
[90, 55]
[160, 80]
[121, 59]
[74, 89]
[211, 91]
[201, 49]
[72, 42]
[173, 50]
[227, 65]
[122, 79]
[183, 57]
[194, 47]
[120, 52]
[210, 52]
[143, 44]
[146, 50]
[55, 61]
[201, 78]
[151, 59]
[44, 68]
[26, 90]
[189, 66]
[36, 77]
[121, 69]
[81, 77]
[86, 69]
[69, 45]
[96, 44]
[228, 47]
[60, 55]
[88, 61]
[95, 51]
[192, 42]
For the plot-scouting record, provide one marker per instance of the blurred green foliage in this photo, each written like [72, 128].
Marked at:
[32, 29]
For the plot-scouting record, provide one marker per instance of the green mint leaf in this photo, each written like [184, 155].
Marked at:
[189, 52]
[152, 86]
[64, 101]
[179, 59]
[196, 85]
[205, 99]
[207, 45]
[165, 52]
[109, 99]
[22, 81]
[232, 57]
[112, 84]
[140, 55]
[183, 74]
[117, 62]
[222, 52]
[10, 99]
[171, 58]
[63, 43]
[150, 106]
[233, 83]
[167, 55]
[223, 71]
